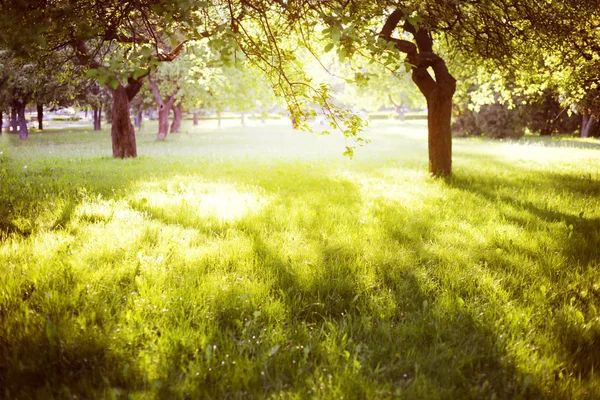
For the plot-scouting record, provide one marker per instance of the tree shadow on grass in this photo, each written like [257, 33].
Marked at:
[583, 247]
[7, 228]
[580, 248]
[396, 335]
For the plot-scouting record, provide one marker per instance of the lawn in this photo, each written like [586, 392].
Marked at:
[259, 262]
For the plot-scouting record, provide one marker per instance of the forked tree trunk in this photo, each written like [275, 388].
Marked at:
[438, 91]
[40, 116]
[163, 109]
[196, 118]
[177, 118]
[122, 132]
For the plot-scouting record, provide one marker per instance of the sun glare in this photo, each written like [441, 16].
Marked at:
[225, 202]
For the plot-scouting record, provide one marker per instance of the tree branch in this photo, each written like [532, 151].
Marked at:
[157, 97]
[83, 55]
[173, 54]
[134, 86]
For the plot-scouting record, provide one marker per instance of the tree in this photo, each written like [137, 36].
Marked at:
[18, 90]
[535, 47]
[120, 42]
[92, 95]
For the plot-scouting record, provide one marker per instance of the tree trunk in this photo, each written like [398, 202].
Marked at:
[438, 91]
[138, 119]
[196, 118]
[163, 122]
[439, 115]
[243, 119]
[123, 135]
[13, 118]
[163, 110]
[97, 115]
[1, 121]
[219, 119]
[23, 131]
[177, 118]
[587, 125]
[40, 116]
[400, 112]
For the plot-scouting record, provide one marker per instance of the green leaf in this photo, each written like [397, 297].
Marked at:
[139, 72]
[91, 73]
[335, 34]
[113, 83]
[328, 48]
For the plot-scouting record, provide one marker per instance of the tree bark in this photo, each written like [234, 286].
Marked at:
[40, 116]
[196, 118]
[1, 121]
[177, 117]
[588, 123]
[438, 92]
[138, 119]
[163, 122]
[122, 132]
[13, 118]
[97, 114]
[439, 114]
[163, 110]
[22, 122]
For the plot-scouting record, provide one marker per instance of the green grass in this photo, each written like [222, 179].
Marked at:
[258, 262]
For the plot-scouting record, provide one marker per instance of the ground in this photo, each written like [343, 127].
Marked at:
[258, 261]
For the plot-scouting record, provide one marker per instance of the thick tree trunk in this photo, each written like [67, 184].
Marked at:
[13, 118]
[122, 132]
[438, 91]
[439, 115]
[40, 116]
[196, 118]
[23, 131]
[177, 118]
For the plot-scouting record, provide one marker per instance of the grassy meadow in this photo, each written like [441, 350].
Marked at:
[258, 262]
